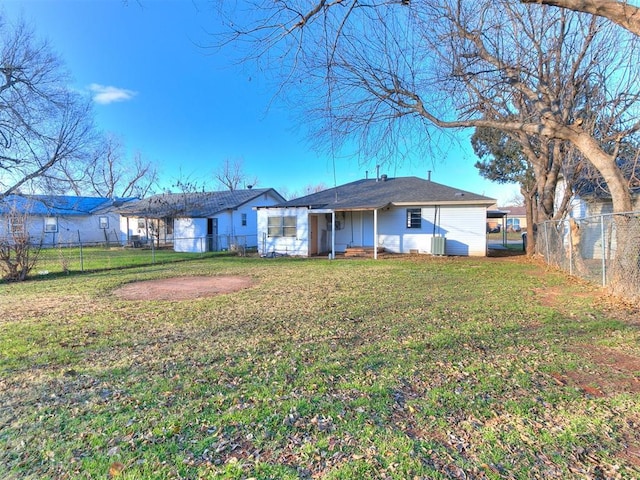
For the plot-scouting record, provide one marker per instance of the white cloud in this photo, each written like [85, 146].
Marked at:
[104, 94]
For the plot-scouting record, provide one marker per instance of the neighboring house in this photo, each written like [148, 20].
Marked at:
[399, 215]
[197, 222]
[590, 198]
[591, 207]
[62, 220]
[496, 220]
[516, 218]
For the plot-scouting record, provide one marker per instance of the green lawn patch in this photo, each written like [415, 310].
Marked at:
[397, 368]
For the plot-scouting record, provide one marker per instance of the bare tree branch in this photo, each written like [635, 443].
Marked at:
[230, 175]
[621, 13]
[105, 171]
[385, 73]
[42, 123]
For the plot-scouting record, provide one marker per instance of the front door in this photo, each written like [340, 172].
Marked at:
[313, 235]
[212, 234]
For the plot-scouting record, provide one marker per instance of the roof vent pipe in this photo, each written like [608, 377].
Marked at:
[377, 173]
[429, 175]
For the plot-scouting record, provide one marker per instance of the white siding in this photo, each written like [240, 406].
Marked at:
[394, 235]
[230, 223]
[464, 227]
[72, 230]
[297, 246]
[190, 235]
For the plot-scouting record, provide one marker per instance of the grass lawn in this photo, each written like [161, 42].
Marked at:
[401, 368]
[499, 237]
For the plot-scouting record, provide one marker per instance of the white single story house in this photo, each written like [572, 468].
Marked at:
[197, 222]
[62, 220]
[399, 215]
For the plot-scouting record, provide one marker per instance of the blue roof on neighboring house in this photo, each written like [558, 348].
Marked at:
[58, 205]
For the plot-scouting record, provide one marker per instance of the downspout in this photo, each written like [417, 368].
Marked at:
[375, 234]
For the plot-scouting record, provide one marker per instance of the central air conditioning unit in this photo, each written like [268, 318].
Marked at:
[438, 245]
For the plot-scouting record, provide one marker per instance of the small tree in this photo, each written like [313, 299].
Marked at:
[18, 251]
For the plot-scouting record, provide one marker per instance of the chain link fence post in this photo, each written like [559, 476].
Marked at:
[615, 238]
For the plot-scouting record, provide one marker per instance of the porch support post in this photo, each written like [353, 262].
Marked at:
[375, 234]
[333, 234]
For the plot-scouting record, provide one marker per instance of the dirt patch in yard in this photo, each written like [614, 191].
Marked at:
[183, 288]
[619, 372]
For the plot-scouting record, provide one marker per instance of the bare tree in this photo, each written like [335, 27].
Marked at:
[42, 122]
[19, 252]
[391, 70]
[231, 175]
[306, 190]
[625, 15]
[106, 172]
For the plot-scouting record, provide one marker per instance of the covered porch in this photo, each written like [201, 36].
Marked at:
[347, 232]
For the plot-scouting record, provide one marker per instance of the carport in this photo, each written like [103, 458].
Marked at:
[499, 214]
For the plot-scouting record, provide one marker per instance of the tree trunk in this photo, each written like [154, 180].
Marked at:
[625, 265]
[606, 165]
[531, 221]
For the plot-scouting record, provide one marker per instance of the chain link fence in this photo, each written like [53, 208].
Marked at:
[80, 257]
[603, 249]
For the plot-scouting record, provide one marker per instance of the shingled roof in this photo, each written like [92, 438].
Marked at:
[370, 194]
[191, 205]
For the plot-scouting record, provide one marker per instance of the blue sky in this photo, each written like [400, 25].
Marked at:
[188, 109]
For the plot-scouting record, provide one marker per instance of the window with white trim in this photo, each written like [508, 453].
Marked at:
[284, 226]
[50, 224]
[414, 218]
[104, 222]
[16, 225]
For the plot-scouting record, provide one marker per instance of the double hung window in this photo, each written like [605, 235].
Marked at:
[414, 218]
[282, 226]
